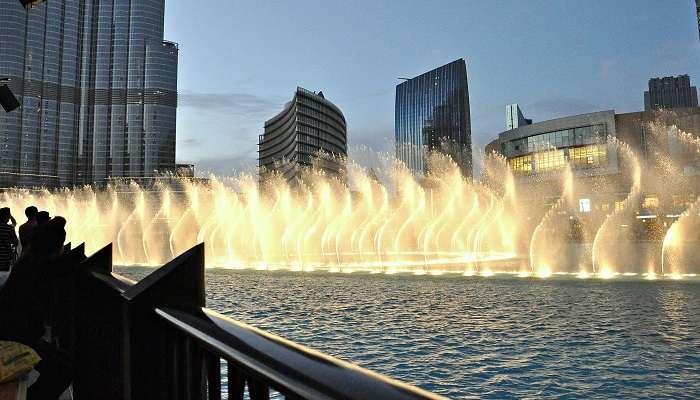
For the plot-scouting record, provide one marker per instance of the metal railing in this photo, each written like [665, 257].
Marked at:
[155, 339]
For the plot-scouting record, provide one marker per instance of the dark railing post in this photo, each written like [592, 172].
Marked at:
[180, 283]
[213, 377]
[102, 328]
[257, 390]
[155, 340]
[236, 382]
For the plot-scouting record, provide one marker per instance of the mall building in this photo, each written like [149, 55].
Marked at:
[538, 154]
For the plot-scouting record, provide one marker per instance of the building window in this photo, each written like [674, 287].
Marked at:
[584, 205]
[550, 160]
[650, 202]
[588, 156]
[521, 165]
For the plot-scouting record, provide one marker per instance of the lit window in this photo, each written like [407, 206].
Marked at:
[650, 202]
[584, 205]
[619, 205]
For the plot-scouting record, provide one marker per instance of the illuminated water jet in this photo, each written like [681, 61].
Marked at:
[546, 248]
[608, 237]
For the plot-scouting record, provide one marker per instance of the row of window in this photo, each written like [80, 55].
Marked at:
[591, 156]
[584, 135]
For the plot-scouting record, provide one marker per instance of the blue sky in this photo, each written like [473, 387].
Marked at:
[240, 61]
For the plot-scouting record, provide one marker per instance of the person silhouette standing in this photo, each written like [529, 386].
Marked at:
[8, 239]
[24, 309]
[42, 217]
[26, 230]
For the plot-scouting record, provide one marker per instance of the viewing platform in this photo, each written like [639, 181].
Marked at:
[155, 339]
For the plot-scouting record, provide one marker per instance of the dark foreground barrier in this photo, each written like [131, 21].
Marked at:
[156, 340]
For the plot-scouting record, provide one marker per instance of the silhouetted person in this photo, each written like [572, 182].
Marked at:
[26, 230]
[8, 239]
[23, 307]
[42, 217]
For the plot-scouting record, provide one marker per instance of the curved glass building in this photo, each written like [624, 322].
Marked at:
[309, 131]
[98, 91]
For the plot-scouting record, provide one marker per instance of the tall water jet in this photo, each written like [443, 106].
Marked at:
[679, 247]
[547, 244]
[609, 236]
[502, 228]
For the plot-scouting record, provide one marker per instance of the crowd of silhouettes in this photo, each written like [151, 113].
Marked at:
[36, 262]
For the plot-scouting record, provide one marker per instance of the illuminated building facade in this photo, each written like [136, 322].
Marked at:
[547, 146]
[537, 155]
[98, 91]
[309, 131]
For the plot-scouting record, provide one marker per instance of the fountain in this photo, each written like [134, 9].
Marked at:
[445, 223]
[379, 220]
[679, 246]
[610, 238]
[547, 245]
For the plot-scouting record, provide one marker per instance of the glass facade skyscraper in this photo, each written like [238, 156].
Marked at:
[432, 114]
[98, 89]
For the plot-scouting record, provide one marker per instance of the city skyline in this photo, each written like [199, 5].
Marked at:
[227, 95]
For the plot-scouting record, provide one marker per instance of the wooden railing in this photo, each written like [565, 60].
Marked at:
[154, 339]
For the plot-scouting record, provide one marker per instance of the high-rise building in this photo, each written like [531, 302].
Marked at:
[697, 12]
[670, 92]
[515, 117]
[98, 91]
[432, 113]
[309, 131]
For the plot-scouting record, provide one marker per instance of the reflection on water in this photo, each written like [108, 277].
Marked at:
[500, 337]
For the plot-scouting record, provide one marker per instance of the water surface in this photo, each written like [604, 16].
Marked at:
[501, 337]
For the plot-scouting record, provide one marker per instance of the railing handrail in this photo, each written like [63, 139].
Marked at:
[288, 367]
[161, 342]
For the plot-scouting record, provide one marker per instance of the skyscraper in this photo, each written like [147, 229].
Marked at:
[697, 13]
[98, 89]
[309, 131]
[670, 92]
[515, 117]
[432, 113]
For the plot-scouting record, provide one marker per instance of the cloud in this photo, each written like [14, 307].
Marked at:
[378, 139]
[225, 166]
[610, 68]
[191, 142]
[242, 104]
[559, 106]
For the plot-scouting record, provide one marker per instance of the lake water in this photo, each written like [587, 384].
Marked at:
[499, 337]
